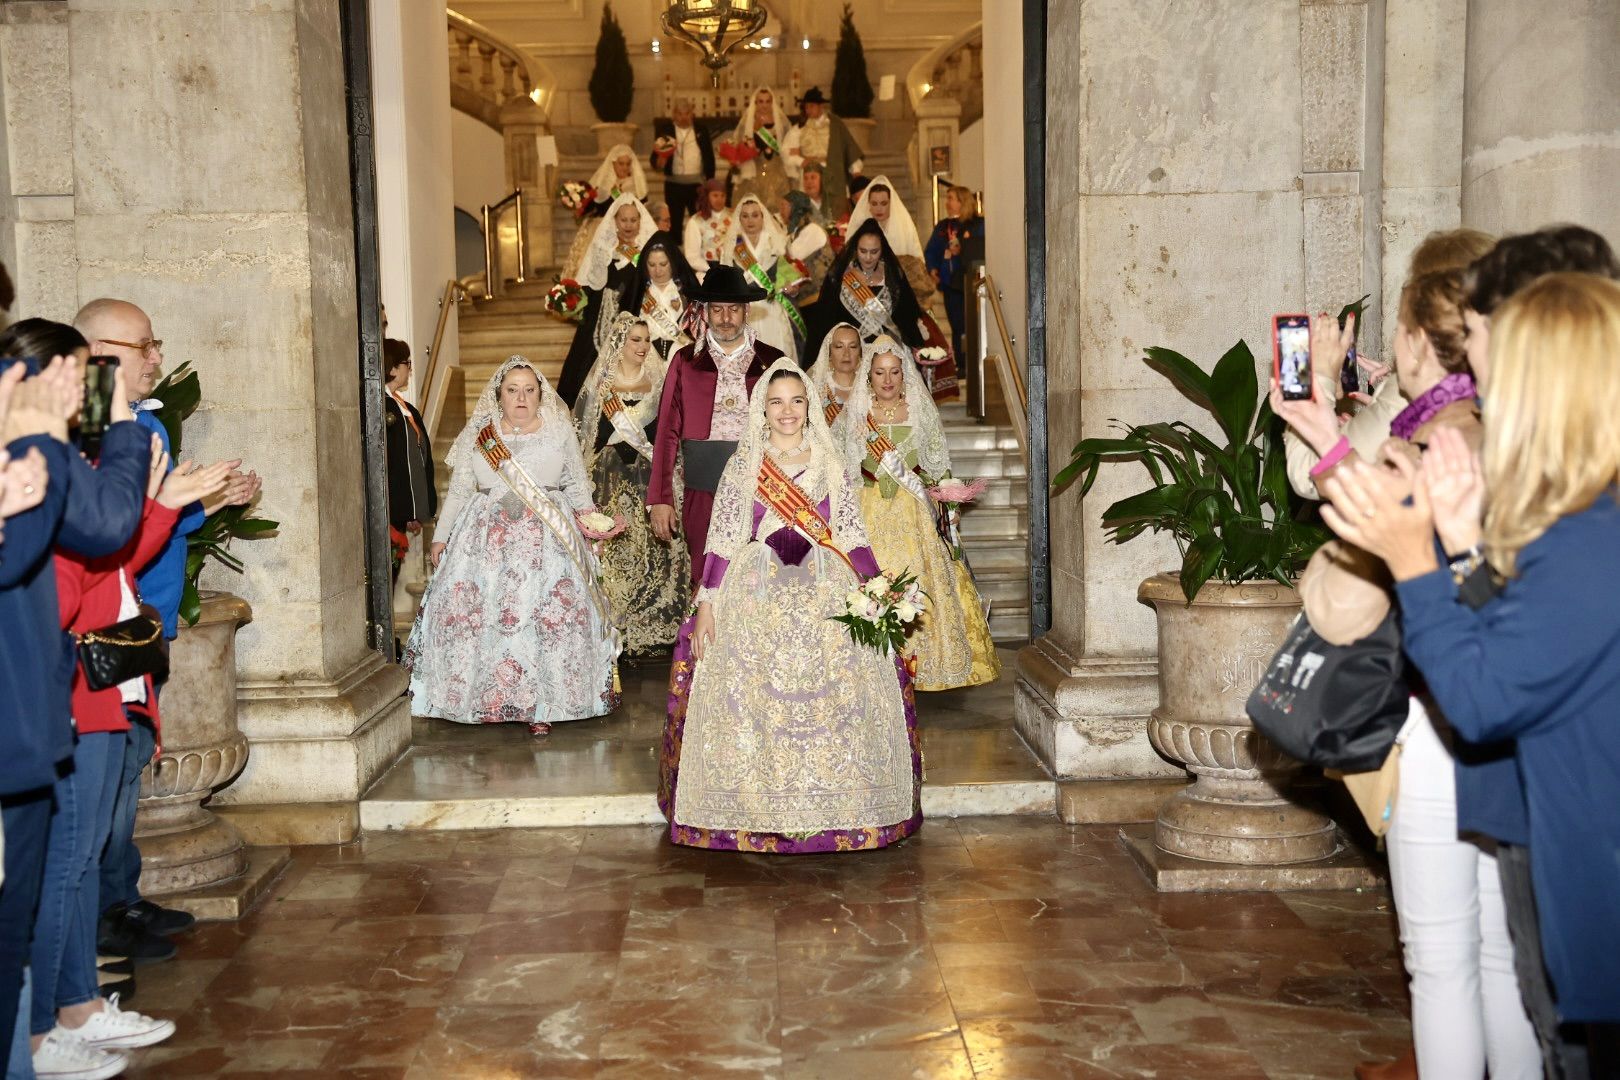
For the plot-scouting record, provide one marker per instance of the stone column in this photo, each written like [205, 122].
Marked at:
[939, 124]
[1541, 116]
[1175, 217]
[523, 125]
[211, 180]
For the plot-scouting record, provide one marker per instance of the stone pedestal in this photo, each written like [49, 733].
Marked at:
[609, 135]
[1213, 653]
[523, 125]
[191, 858]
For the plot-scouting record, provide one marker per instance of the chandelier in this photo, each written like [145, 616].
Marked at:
[715, 27]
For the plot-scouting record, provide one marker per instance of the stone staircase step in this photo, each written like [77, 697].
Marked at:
[994, 521]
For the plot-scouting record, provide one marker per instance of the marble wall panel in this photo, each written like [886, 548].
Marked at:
[1184, 102]
[1188, 272]
[1333, 54]
[1423, 93]
[1067, 103]
[38, 98]
[44, 251]
[219, 125]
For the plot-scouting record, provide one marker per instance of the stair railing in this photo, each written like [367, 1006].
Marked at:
[987, 308]
[493, 278]
[435, 378]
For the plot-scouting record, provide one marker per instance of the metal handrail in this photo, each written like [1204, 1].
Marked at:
[1012, 381]
[493, 281]
[432, 386]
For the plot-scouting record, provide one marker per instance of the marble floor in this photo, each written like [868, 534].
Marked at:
[605, 771]
[1008, 947]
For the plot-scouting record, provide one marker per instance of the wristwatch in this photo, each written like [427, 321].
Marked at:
[1464, 565]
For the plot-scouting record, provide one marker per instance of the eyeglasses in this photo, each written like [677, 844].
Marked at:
[151, 346]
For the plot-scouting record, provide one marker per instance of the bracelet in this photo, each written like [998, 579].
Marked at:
[1340, 451]
[1463, 566]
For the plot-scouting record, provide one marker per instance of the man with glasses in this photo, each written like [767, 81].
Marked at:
[131, 926]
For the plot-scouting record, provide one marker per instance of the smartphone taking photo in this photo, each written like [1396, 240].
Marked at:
[1291, 356]
[95, 414]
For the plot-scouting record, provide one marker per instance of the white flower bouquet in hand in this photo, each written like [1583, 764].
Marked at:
[879, 611]
[931, 356]
[597, 526]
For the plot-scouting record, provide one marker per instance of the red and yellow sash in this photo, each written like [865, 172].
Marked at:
[833, 408]
[491, 446]
[792, 505]
[858, 288]
[877, 442]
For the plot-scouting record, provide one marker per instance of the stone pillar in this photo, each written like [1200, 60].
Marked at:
[939, 125]
[1541, 116]
[1175, 217]
[211, 186]
[36, 215]
[523, 125]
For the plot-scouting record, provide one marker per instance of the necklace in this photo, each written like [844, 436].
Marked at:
[889, 409]
[778, 454]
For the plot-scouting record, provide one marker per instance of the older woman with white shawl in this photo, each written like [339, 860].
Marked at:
[898, 444]
[608, 274]
[784, 735]
[757, 245]
[513, 626]
[619, 174]
[765, 126]
[646, 579]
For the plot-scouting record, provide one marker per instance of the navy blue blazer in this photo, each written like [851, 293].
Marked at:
[1540, 665]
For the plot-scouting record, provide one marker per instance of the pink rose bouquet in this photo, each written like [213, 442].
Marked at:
[879, 611]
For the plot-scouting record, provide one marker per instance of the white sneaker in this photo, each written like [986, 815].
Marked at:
[65, 1056]
[114, 1029]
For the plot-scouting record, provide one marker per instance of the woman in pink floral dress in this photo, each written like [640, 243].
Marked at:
[514, 625]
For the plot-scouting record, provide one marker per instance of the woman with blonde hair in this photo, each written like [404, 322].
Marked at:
[1539, 662]
[897, 443]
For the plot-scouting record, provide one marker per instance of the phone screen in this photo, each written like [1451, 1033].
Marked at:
[1291, 356]
[98, 395]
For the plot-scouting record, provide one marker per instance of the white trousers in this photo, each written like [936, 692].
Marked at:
[1466, 1011]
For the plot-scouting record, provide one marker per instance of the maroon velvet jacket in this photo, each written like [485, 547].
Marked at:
[687, 406]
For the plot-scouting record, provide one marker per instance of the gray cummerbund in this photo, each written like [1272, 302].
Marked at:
[705, 460]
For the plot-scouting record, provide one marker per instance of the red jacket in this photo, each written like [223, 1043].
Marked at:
[88, 595]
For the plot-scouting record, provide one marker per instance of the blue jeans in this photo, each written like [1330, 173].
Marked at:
[27, 821]
[21, 1064]
[121, 862]
[64, 953]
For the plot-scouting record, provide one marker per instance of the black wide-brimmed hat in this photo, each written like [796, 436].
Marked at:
[813, 96]
[727, 285]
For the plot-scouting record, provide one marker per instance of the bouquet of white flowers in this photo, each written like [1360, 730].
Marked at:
[878, 612]
[931, 356]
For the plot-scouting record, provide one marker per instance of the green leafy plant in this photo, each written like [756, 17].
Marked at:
[1229, 507]
[181, 393]
[851, 88]
[613, 81]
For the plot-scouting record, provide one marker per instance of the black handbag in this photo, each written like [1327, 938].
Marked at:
[125, 650]
[1337, 706]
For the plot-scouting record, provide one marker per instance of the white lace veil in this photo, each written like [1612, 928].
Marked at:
[900, 230]
[748, 125]
[604, 178]
[588, 409]
[773, 241]
[732, 520]
[821, 372]
[593, 269]
[927, 434]
[488, 410]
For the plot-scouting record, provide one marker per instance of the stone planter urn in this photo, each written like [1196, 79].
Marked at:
[185, 847]
[1212, 653]
[609, 135]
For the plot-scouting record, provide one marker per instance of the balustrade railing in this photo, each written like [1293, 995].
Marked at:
[487, 71]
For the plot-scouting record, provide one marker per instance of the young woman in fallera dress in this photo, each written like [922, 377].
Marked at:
[755, 245]
[647, 580]
[783, 734]
[608, 274]
[894, 431]
[663, 286]
[514, 626]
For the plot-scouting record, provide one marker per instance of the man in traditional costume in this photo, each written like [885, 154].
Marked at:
[825, 140]
[704, 407]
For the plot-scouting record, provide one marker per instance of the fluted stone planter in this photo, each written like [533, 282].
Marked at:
[609, 135]
[185, 847]
[1212, 653]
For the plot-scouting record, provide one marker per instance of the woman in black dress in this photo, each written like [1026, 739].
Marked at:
[608, 274]
[867, 288]
[664, 281]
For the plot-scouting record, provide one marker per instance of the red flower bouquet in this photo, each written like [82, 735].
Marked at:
[566, 300]
[737, 153]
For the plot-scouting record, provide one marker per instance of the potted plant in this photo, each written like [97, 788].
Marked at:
[1243, 539]
[185, 847]
[613, 85]
[851, 88]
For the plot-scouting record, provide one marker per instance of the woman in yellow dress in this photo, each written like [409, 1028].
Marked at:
[894, 432]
